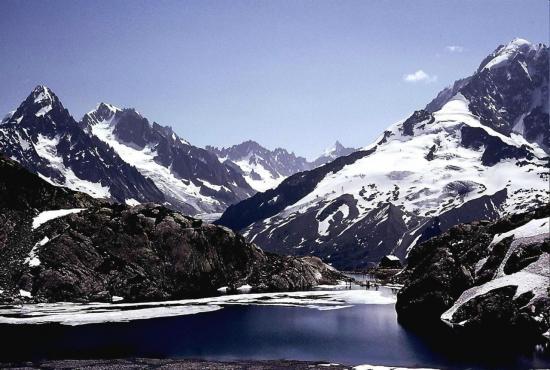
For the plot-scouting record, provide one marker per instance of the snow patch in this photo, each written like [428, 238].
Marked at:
[47, 148]
[244, 288]
[46, 216]
[32, 259]
[25, 293]
[43, 111]
[132, 202]
[532, 228]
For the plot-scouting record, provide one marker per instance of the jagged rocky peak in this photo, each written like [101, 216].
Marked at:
[43, 95]
[192, 179]
[250, 146]
[331, 153]
[118, 154]
[262, 168]
[43, 137]
[508, 92]
[235, 152]
[102, 112]
[335, 148]
[504, 54]
[41, 104]
[128, 125]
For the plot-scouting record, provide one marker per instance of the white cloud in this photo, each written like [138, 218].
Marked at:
[454, 49]
[419, 76]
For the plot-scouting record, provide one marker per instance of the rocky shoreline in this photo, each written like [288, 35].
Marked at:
[484, 279]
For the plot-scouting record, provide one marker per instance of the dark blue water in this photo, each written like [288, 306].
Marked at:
[356, 335]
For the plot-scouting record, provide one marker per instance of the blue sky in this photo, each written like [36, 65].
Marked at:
[298, 73]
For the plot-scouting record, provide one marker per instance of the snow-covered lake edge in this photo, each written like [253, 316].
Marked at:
[73, 314]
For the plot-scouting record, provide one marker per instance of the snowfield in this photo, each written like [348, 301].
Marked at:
[428, 179]
[400, 172]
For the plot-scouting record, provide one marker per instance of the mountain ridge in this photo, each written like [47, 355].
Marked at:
[126, 159]
[459, 156]
[264, 168]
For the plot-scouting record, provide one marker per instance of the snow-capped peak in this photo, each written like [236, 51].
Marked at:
[102, 112]
[42, 94]
[39, 103]
[505, 53]
[104, 109]
[107, 106]
[334, 149]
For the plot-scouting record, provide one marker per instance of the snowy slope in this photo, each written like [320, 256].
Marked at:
[423, 175]
[191, 179]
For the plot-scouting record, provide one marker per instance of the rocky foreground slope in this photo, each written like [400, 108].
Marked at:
[483, 278]
[61, 245]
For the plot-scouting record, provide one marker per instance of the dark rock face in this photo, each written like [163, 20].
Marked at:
[22, 195]
[140, 253]
[150, 253]
[418, 118]
[495, 150]
[498, 310]
[441, 269]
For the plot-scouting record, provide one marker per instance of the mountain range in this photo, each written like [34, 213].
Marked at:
[119, 154]
[264, 169]
[479, 150]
